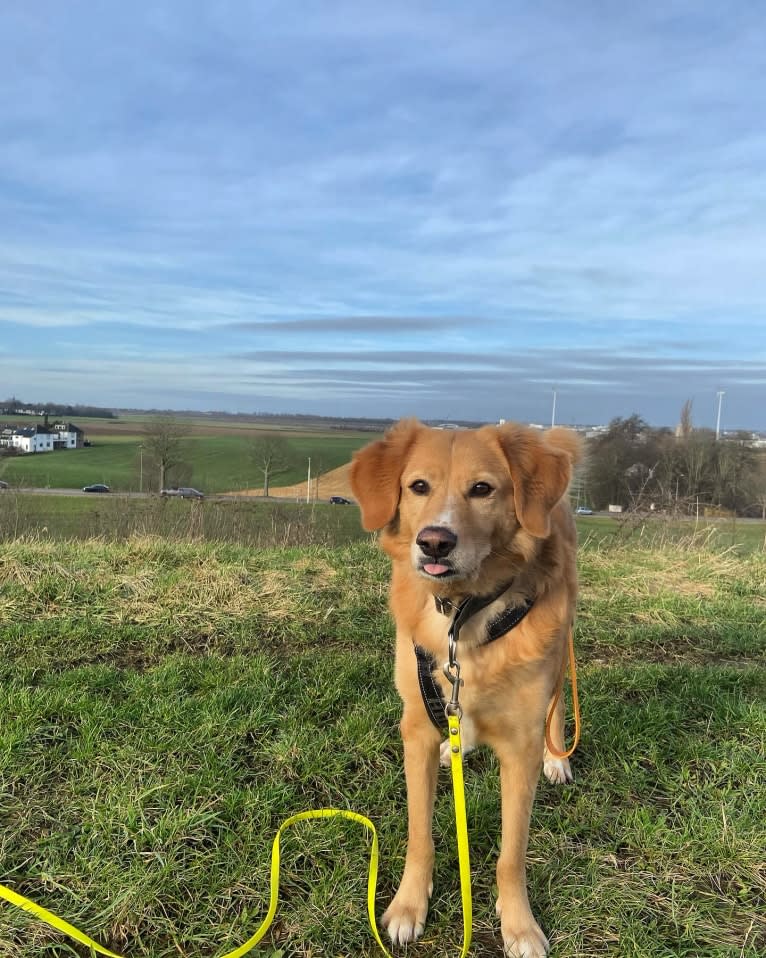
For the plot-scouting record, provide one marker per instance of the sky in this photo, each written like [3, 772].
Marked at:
[449, 210]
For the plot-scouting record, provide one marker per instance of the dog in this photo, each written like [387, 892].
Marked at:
[480, 515]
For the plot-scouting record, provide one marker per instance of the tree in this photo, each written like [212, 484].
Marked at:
[318, 469]
[646, 468]
[685, 426]
[622, 463]
[756, 485]
[272, 456]
[163, 446]
[734, 463]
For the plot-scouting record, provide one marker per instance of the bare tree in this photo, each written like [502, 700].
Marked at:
[271, 455]
[163, 445]
[319, 469]
[685, 426]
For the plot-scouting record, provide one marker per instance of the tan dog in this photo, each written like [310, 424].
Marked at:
[479, 513]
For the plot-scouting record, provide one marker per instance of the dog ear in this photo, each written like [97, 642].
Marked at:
[376, 472]
[540, 474]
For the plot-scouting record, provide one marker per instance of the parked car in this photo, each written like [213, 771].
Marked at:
[3, 484]
[96, 487]
[339, 501]
[183, 492]
[583, 511]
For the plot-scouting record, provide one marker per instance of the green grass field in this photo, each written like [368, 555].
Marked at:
[217, 459]
[167, 703]
[216, 463]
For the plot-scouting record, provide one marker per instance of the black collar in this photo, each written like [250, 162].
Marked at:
[473, 604]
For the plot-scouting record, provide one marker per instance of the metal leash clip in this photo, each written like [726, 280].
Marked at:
[452, 672]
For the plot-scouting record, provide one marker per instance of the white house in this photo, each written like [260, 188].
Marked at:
[67, 436]
[42, 438]
[32, 439]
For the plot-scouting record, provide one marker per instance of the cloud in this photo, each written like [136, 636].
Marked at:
[354, 325]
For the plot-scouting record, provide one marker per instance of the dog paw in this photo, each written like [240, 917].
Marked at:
[522, 939]
[529, 944]
[405, 921]
[445, 759]
[558, 771]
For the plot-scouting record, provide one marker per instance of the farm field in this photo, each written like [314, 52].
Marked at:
[167, 703]
[216, 460]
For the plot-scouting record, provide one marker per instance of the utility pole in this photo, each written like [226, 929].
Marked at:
[721, 394]
[308, 484]
[553, 411]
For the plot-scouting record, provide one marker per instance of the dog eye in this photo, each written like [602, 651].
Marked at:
[480, 490]
[420, 487]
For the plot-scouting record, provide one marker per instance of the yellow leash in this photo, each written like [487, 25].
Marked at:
[452, 671]
[461, 826]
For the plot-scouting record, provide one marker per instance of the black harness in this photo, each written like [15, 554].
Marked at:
[430, 690]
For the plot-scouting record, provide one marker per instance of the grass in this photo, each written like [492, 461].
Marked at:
[259, 522]
[167, 703]
[247, 521]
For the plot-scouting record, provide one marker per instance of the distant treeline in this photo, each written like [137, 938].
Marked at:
[19, 407]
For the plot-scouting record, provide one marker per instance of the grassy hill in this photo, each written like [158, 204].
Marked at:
[167, 703]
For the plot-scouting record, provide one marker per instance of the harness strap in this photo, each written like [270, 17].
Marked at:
[430, 690]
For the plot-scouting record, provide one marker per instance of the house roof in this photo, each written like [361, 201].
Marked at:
[66, 427]
[26, 431]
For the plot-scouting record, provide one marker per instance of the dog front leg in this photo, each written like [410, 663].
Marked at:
[405, 917]
[520, 759]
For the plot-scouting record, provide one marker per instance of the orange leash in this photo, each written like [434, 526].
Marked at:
[575, 704]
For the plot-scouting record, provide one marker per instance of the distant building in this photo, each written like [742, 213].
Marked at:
[67, 436]
[42, 438]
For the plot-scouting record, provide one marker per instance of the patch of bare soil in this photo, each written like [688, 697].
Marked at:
[333, 483]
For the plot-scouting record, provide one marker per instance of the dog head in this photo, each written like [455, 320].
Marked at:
[453, 501]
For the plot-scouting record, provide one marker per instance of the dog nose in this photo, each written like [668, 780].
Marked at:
[436, 541]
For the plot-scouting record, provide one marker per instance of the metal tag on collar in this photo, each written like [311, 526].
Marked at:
[444, 606]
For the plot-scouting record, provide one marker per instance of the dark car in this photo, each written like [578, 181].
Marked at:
[339, 501]
[96, 487]
[183, 492]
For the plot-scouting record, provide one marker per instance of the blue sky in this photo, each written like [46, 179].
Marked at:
[440, 209]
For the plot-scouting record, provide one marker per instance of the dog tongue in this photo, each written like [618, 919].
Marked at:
[434, 568]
